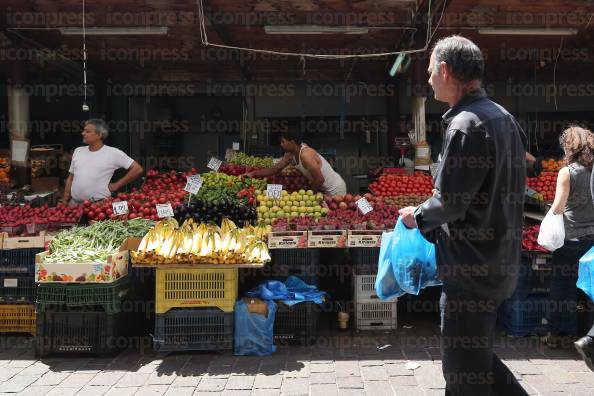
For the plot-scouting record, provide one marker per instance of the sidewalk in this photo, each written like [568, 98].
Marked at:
[348, 364]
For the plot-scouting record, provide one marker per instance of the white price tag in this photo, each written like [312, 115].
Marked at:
[11, 283]
[193, 184]
[120, 208]
[164, 210]
[235, 145]
[214, 164]
[364, 206]
[274, 191]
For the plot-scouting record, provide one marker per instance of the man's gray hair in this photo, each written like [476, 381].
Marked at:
[462, 55]
[100, 127]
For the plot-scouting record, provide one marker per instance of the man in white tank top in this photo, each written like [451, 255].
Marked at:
[312, 165]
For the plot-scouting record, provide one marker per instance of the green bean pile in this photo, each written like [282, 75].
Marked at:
[95, 242]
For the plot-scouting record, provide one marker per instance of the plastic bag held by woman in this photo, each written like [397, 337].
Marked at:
[552, 231]
[412, 262]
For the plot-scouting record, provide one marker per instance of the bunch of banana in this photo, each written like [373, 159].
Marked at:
[191, 243]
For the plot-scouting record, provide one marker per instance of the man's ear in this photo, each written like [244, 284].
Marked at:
[444, 70]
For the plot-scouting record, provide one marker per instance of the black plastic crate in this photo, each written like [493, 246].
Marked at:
[365, 260]
[199, 329]
[535, 275]
[18, 261]
[522, 317]
[297, 323]
[295, 257]
[77, 331]
[17, 288]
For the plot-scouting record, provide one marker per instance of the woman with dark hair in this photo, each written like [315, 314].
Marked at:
[573, 199]
[585, 345]
[309, 162]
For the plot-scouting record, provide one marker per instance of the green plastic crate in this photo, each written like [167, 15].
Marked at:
[107, 295]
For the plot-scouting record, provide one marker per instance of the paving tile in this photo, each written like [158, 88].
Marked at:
[349, 383]
[107, 378]
[322, 378]
[128, 391]
[152, 390]
[268, 381]
[157, 378]
[76, 380]
[297, 370]
[201, 393]
[542, 383]
[352, 392]
[211, 385]
[558, 374]
[323, 390]
[295, 387]
[585, 378]
[36, 368]
[374, 374]
[395, 370]
[186, 380]
[51, 379]
[403, 380]
[429, 376]
[89, 390]
[35, 390]
[401, 390]
[8, 372]
[326, 367]
[378, 388]
[132, 380]
[58, 391]
[240, 382]
[236, 392]
[524, 367]
[18, 383]
[180, 392]
[265, 392]
[22, 363]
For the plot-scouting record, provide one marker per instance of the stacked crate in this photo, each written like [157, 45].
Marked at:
[194, 309]
[527, 310]
[85, 318]
[371, 313]
[17, 285]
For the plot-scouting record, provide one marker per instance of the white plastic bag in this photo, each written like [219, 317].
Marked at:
[552, 231]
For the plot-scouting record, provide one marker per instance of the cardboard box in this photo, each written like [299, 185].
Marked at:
[327, 239]
[7, 242]
[114, 268]
[287, 239]
[364, 238]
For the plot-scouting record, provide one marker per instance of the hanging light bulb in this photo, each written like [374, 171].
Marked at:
[85, 106]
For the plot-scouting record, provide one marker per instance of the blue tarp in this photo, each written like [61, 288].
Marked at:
[292, 292]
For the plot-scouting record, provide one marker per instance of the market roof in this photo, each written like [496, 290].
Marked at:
[177, 53]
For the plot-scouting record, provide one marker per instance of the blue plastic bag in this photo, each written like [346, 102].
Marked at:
[386, 286]
[254, 333]
[292, 292]
[412, 262]
[586, 274]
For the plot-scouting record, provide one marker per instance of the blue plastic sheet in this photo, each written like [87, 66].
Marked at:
[292, 292]
[254, 333]
[411, 259]
[586, 274]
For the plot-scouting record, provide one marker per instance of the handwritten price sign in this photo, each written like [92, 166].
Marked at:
[164, 210]
[364, 206]
[214, 164]
[120, 208]
[274, 191]
[193, 184]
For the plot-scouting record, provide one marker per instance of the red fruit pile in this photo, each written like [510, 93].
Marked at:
[291, 179]
[530, 238]
[392, 185]
[159, 188]
[14, 216]
[236, 170]
[545, 184]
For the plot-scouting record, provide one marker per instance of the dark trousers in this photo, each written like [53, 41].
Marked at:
[469, 365]
[564, 293]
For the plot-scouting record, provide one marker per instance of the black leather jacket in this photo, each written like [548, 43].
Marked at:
[475, 216]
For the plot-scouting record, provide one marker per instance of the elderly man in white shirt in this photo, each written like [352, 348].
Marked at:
[92, 167]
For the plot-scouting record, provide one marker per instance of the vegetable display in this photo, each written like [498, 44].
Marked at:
[94, 243]
[252, 161]
[545, 184]
[199, 243]
[17, 215]
[392, 185]
[530, 239]
[289, 206]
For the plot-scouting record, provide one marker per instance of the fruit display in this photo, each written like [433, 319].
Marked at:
[13, 217]
[235, 170]
[402, 201]
[545, 184]
[392, 185]
[94, 243]
[199, 243]
[551, 165]
[530, 239]
[291, 179]
[290, 205]
[251, 161]
[4, 171]
[219, 186]
[345, 214]
[200, 210]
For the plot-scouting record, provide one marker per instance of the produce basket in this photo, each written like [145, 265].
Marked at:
[19, 318]
[12, 231]
[295, 257]
[77, 332]
[535, 275]
[522, 317]
[365, 260]
[18, 261]
[192, 288]
[193, 330]
[108, 296]
[297, 323]
[17, 288]
[365, 289]
[376, 315]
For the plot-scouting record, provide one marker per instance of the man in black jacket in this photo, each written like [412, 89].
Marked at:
[475, 219]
